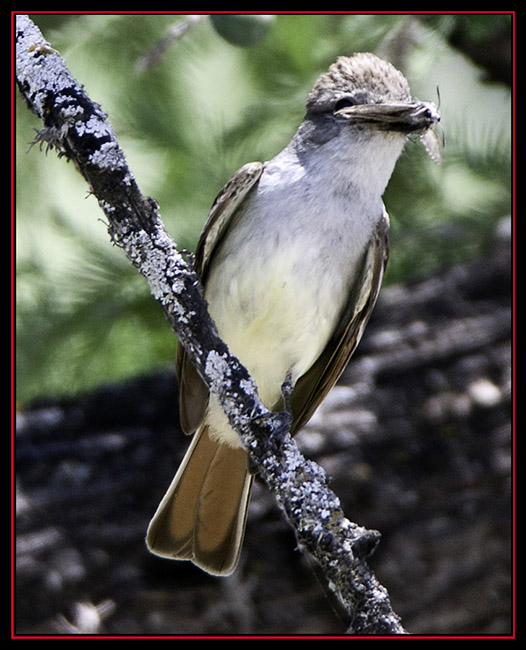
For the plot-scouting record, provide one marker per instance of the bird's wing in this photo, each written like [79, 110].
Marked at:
[313, 386]
[193, 393]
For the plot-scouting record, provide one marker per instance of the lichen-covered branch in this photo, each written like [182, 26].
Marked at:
[78, 128]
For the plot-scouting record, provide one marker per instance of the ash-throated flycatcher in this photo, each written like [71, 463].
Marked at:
[291, 259]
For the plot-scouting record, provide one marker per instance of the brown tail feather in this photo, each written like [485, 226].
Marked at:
[202, 516]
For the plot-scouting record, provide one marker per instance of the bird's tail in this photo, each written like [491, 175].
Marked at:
[203, 514]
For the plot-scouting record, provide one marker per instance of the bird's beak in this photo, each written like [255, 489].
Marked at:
[406, 118]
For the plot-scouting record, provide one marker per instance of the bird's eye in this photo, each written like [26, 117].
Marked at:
[344, 102]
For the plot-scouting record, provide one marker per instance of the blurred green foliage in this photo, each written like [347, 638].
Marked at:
[187, 122]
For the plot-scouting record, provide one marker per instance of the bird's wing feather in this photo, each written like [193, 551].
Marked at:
[222, 211]
[193, 393]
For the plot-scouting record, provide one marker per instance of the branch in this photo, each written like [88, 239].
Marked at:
[79, 130]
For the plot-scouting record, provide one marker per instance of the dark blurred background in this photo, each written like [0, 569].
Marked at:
[418, 433]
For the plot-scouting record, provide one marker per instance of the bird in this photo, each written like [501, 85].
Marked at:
[291, 259]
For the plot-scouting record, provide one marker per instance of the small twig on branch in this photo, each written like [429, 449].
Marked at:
[79, 130]
[174, 33]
